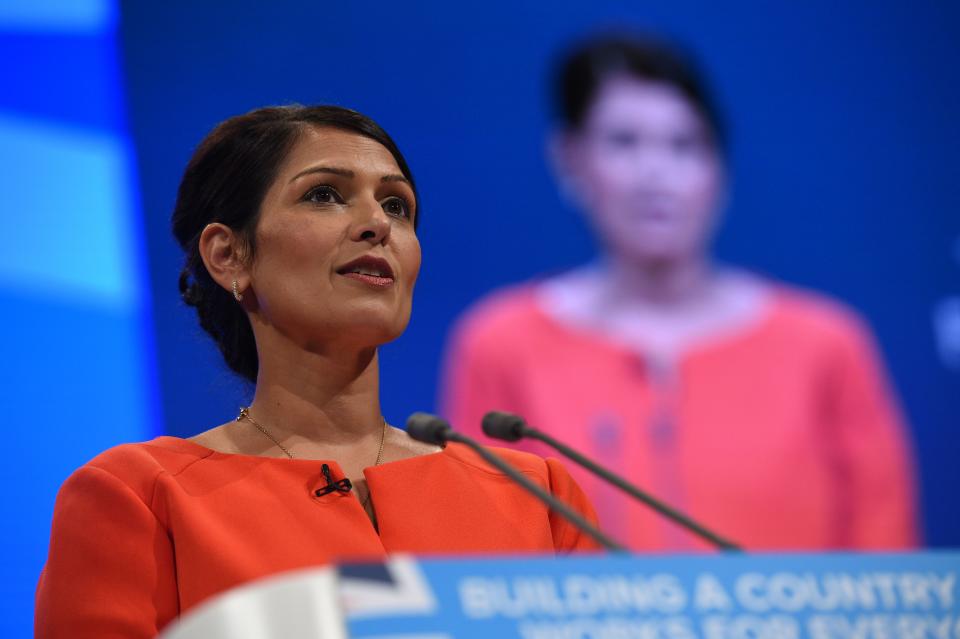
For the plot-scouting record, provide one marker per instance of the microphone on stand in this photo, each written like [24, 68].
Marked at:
[509, 427]
[431, 429]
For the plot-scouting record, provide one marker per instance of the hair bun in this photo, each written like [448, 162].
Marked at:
[190, 292]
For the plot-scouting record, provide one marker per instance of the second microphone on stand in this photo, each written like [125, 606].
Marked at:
[509, 427]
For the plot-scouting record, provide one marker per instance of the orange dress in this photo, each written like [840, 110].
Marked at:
[784, 435]
[144, 532]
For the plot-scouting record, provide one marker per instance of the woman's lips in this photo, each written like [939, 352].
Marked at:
[373, 280]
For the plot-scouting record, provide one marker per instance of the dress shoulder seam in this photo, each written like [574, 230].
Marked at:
[127, 487]
[493, 471]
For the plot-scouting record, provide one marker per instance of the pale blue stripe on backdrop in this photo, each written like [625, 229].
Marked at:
[77, 341]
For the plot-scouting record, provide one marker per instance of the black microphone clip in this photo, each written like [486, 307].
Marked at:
[343, 486]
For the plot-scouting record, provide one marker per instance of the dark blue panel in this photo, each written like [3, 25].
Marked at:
[844, 160]
[69, 78]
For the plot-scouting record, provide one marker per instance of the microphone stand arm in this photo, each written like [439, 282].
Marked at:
[632, 490]
[555, 504]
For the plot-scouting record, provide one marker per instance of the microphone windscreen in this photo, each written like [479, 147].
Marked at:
[428, 428]
[505, 426]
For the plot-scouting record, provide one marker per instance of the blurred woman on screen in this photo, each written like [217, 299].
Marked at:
[299, 229]
[760, 409]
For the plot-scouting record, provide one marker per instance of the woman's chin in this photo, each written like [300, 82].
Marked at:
[659, 251]
[369, 332]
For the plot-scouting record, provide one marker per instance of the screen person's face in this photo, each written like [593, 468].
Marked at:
[646, 171]
[337, 197]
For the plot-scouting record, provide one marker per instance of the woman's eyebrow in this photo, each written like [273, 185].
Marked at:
[324, 169]
[347, 173]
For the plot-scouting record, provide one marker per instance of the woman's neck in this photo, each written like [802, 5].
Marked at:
[329, 397]
[660, 310]
[663, 284]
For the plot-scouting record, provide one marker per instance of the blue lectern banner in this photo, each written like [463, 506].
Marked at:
[824, 596]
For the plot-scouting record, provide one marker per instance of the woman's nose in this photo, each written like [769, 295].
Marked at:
[373, 225]
[651, 165]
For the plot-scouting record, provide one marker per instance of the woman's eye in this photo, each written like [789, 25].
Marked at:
[323, 195]
[687, 144]
[622, 139]
[397, 206]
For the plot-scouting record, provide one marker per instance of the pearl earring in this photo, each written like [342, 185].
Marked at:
[237, 295]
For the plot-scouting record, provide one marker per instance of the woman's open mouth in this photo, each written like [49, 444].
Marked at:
[371, 270]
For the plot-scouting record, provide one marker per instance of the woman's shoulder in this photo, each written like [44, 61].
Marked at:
[526, 463]
[548, 473]
[139, 464]
[802, 311]
[505, 308]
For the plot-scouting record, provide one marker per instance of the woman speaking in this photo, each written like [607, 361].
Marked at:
[299, 229]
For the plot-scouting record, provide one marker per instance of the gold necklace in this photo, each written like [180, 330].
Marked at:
[245, 415]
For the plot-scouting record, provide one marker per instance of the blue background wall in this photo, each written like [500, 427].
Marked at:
[845, 136]
[846, 179]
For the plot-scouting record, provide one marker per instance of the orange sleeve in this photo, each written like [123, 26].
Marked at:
[566, 536]
[476, 377]
[110, 569]
[874, 453]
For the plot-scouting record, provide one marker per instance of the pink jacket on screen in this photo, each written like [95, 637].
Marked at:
[782, 436]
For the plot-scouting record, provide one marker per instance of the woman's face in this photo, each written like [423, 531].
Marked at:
[336, 253]
[646, 171]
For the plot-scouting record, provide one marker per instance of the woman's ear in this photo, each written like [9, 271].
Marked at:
[561, 156]
[222, 252]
